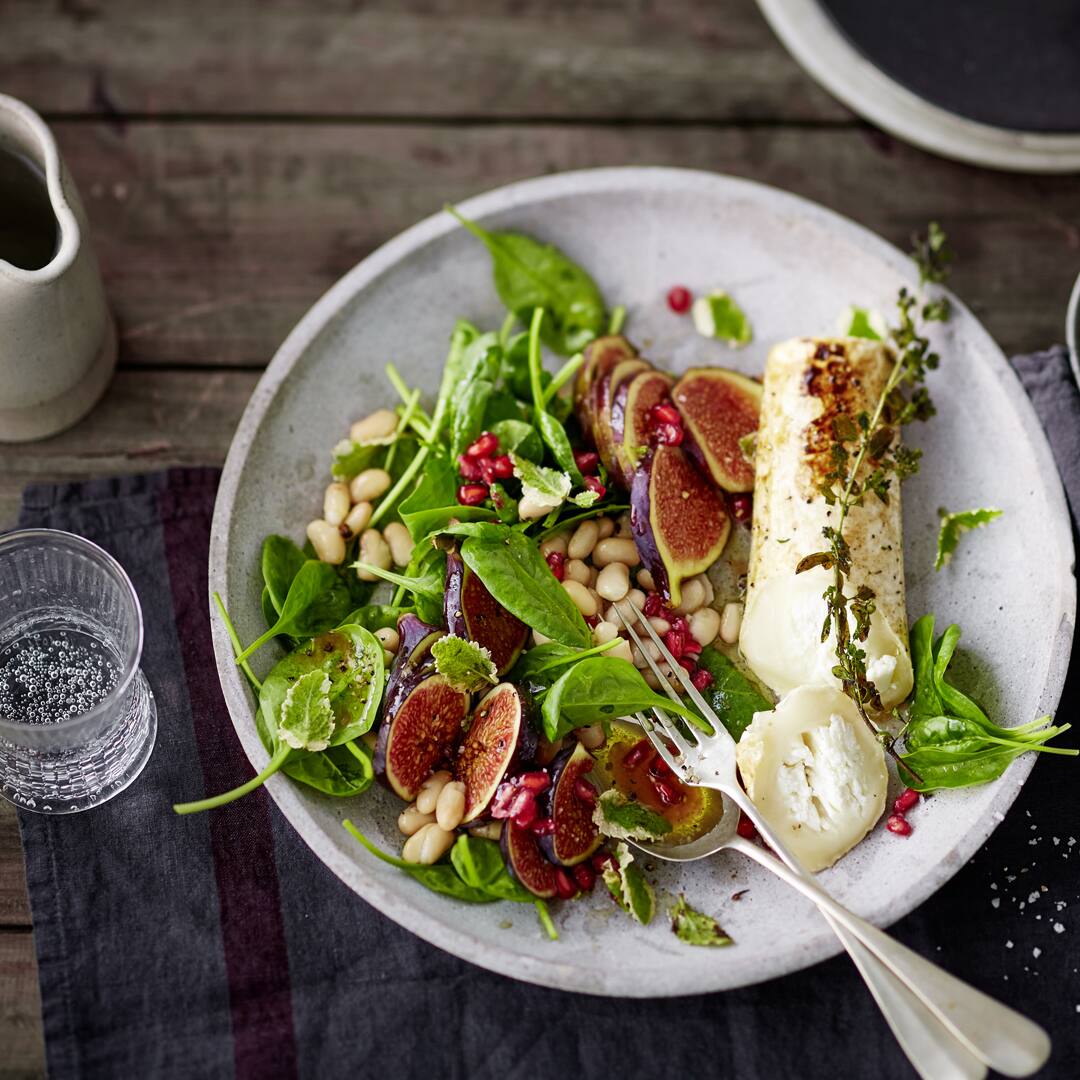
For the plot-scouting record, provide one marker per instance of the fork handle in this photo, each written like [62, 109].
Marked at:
[994, 1033]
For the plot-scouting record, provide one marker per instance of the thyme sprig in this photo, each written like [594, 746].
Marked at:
[866, 459]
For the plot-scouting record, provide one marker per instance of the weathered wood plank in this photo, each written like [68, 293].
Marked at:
[14, 905]
[22, 1051]
[491, 58]
[216, 238]
[148, 420]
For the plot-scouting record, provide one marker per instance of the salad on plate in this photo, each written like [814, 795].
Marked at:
[452, 625]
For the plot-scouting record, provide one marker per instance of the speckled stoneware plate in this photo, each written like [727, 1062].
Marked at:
[793, 266]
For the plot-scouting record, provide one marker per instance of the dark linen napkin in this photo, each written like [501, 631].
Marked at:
[218, 946]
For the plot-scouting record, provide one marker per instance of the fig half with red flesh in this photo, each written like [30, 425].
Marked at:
[630, 417]
[678, 518]
[604, 393]
[575, 836]
[414, 653]
[601, 356]
[491, 746]
[420, 734]
[472, 612]
[719, 407]
[525, 861]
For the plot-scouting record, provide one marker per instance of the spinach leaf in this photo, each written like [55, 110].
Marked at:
[599, 688]
[281, 562]
[514, 572]
[520, 438]
[464, 333]
[378, 616]
[341, 771]
[551, 430]
[731, 695]
[953, 525]
[269, 612]
[531, 275]
[433, 502]
[317, 600]
[351, 457]
[479, 863]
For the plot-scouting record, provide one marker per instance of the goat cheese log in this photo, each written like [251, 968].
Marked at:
[809, 383]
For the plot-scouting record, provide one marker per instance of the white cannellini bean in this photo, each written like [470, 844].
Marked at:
[634, 596]
[387, 657]
[606, 527]
[401, 543]
[652, 650]
[731, 623]
[411, 821]
[428, 845]
[650, 679]
[490, 830]
[583, 540]
[376, 551]
[705, 625]
[613, 582]
[430, 789]
[623, 651]
[358, 517]
[450, 806]
[328, 543]
[604, 632]
[637, 657]
[645, 580]
[706, 584]
[581, 596]
[591, 737]
[615, 549]
[336, 503]
[693, 597]
[369, 484]
[557, 543]
[576, 570]
[389, 638]
[381, 424]
[623, 526]
[661, 626]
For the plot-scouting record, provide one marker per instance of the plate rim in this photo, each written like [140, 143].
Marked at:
[498, 957]
[808, 33]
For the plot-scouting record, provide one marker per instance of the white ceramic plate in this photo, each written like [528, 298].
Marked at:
[793, 266]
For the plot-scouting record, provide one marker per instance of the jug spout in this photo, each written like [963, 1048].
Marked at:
[57, 339]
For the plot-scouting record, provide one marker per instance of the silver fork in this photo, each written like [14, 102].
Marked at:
[946, 1028]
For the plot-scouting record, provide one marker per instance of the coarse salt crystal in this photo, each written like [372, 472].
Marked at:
[1036, 952]
[1058, 928]
[996, 902]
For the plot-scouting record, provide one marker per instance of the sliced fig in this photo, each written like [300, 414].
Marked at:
[491, 746]
[629, 417]
[575, 836]
[603, 393]
[420, 732]
[719, 407]
[526, 862]
[678, 519]
[601, 356]
[408, 668]
[472, 612]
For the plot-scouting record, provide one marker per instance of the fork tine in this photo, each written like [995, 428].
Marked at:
[667, 725]
[678, 669]
[659, 744]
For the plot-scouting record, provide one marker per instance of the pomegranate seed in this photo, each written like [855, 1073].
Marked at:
[678, 622]
[503, 467]
[523, 808]
[666, 413]
[565, 886]
[543, 826]
[470, 468]
[592, 621]
[585, 791]
[746, 828]
[586, 460]
[536, 782]
[654, 605]
[679, 299]
[484, 447]
[742, 507]
[701, 679]
[584, 877]
[593, 484]
[556, 560]
[661, 770]
[687, 663]
[487, 470]
[906, 800]
[691, 647]
[668, 434]
[602, 860]
[675, 640]
[667, 793]
[471, 494]
[638, 753]
[504, 796]
[898, 824]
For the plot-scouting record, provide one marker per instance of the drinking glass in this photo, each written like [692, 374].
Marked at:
[77, 716]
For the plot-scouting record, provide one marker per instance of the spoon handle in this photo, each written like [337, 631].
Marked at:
[994, 1033]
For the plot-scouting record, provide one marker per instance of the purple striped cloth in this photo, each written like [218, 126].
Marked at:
[218, 946]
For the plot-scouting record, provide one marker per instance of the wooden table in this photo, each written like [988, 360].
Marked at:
[236, 159]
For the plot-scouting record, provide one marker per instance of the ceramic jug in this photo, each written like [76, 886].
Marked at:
[57, 338]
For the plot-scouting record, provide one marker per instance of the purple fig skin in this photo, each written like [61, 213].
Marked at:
[641, 527]
[472, 612]
[630, 434]
[526, 862]
[452, 607]
[414, 633]
[490, 747]
[559, 846]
